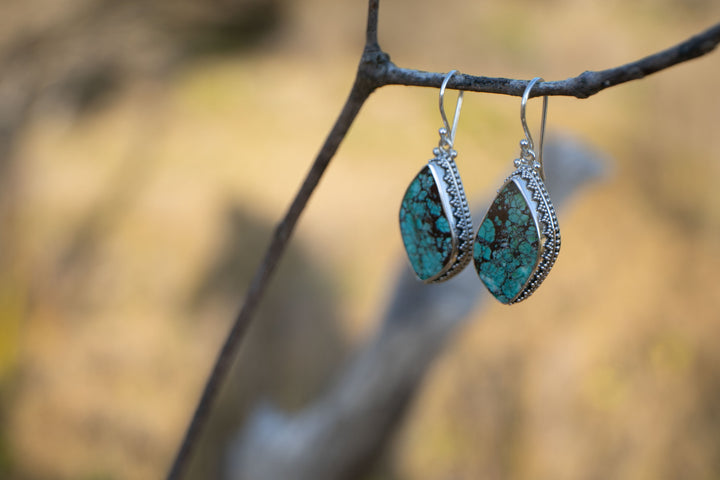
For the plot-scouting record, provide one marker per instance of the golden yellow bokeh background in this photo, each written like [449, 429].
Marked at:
[135, 224]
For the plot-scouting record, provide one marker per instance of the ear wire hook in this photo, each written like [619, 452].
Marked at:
[446, 140]
[527, 146]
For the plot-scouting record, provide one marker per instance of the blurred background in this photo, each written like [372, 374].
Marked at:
[147, 149]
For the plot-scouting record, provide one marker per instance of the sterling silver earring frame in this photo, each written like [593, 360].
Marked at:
[435, 221]
[519, 239]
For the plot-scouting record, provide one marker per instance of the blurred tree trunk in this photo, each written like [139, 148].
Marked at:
[342, 434]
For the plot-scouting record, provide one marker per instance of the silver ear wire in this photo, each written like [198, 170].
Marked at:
[527, 146]
[449, 136]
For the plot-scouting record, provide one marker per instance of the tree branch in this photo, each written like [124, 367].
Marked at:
[371, 39]
[583, 86]
[358, 94]
[376, 70]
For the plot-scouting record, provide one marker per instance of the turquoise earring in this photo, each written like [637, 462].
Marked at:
[435, 221]
[519, 240]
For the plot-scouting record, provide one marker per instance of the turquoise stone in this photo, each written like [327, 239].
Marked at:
[506, 249]
[425, 228]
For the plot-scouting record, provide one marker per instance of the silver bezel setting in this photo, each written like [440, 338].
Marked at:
[533, 189]
[457, 211]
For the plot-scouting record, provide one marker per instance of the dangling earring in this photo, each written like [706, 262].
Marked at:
[435, 220]
[519, 240]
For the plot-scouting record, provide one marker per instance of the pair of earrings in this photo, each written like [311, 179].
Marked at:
[518, 240]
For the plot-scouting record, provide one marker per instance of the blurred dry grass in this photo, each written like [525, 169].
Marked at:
[609, 371]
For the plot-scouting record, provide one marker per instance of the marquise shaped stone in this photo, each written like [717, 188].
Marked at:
[507, 246]
[425, 227]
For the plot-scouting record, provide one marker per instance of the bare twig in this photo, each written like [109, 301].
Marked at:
[376, 70]
[583, 86]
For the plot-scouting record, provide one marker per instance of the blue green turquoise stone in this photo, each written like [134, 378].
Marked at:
[507, 245]
[425, 228]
